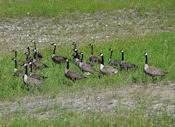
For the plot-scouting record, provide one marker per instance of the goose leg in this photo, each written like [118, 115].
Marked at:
[154, 78]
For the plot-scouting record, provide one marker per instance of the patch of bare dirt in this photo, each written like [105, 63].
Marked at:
[150, 98]
[101, 26]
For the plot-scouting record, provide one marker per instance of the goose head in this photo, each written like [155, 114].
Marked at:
[145, 54]
[74, 43]
[32, 41]
[26, 53]
[14, 59]
[121, 51]
[111, 49]
[101, 54]
[53, 44]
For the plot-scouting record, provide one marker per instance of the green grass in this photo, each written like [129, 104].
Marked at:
[65, 7]
[160, 48]
[90, 119]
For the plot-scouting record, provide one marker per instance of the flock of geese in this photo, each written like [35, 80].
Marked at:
[114, 66]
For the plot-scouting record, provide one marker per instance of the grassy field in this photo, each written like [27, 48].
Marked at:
[89, 119]
[160, 48]
[159, 45]
[66, 8]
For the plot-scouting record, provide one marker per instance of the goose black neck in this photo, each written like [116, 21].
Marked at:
[67, 65]
[35, 44]
[122, 56]
[102, 60]
[111, 55]
[15, 54]
[91, 49]
[54, 49]
[76, 54]
[15, 64]
[81, 57]
[27, 57]
[30, 68]
[146, 59]
[75, 46]
[26, 71]
[34, 56]
[28, 51]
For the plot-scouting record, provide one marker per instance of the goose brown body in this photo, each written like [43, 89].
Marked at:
[85, 66]
[30, 81]
[152, 71]
[37, 64]
[36, 76]
[92, 58]
[106, 69]
[126, 65]
[113, 62]
[72, 75]
[57, 59]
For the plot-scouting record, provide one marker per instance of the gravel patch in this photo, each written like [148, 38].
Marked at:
[100, 101]
[101, 26]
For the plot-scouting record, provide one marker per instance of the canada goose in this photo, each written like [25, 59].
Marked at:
[72, 75]
[57, 59]
[152, 71]
[37, 64]
[77, 60]
[20, 62]
[92, 58]
[86, 62]
[30, 81]
[16, 71]
[36, 76]
[38, 55]
[113, 62]
[29, 58]
[126, 65]
[75, 54]
[86, 67]
[106, 69]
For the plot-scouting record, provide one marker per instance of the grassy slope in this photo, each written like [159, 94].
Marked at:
[160, 48]
[89, 119]
[59, 7]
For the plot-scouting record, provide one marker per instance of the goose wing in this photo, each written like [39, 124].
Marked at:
[20, 62]
[59, 59]
[19, 73]
[78, 56]
[39, 55]
[127, 65]
[39, 65]
[109, 70]
[94, 59]
[114, 62]
[88, 68]
[154, 71]
[34, 82]
[37, 76]
[74, 75]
